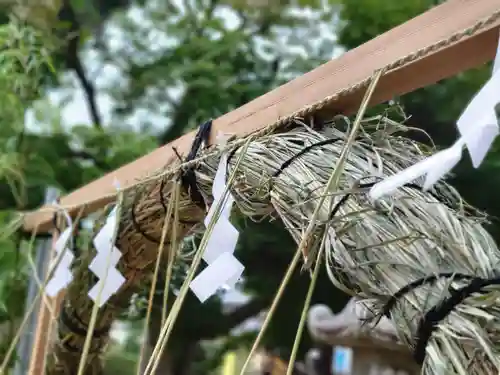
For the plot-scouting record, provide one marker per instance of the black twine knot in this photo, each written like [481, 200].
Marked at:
[188, 180]
[188, 175]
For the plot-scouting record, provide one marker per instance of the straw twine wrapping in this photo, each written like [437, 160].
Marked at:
[373, 249]
[136, 265]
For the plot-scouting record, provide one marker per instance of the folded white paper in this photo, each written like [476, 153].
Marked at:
[434, 167]
[479, 123]
[62, 275]
[478, 128]
[104, 263]
[443, 163]
[104, 239]
[113, 282]
[218, 187]
[219, 184]
[223, 270]
[223, 239]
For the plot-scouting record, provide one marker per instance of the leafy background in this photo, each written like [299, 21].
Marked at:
[145, 72]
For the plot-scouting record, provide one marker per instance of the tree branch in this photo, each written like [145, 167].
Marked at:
[183, 112]
[73, 61]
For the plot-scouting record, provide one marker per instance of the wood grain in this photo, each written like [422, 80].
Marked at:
[328, 79]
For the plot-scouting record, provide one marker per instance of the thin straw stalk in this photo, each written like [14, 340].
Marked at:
[167, 328]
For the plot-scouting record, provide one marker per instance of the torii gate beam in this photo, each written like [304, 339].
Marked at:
[335, 76]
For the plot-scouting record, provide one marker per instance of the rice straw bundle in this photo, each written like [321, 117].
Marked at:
[374, 249]
[142, 216]
[377, 249]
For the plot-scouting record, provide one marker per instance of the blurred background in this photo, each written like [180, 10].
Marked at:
[116, 79]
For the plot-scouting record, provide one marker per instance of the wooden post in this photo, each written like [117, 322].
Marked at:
[44, 328]
[48, 308]
[42, 260]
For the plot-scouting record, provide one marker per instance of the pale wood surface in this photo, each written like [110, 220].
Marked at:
[45, 328]
[351, 68]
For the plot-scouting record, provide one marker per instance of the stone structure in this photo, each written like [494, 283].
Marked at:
[349, 345]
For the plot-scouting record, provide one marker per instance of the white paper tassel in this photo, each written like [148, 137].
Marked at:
[223, 270]
[62, 275]
[104, 263]
[478, 127]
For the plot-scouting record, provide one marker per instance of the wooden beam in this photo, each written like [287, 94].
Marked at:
[428, 29]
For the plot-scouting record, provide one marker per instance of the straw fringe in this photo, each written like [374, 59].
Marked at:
[372, 249]
[375, 249]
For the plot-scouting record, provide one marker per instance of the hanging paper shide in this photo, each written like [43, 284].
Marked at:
[104, 263]
[62, 275]
[478, 128]
[223, 270]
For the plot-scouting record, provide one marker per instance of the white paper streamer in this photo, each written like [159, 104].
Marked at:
[444, 163]
[478, 127]
[104, 263]
[223, 270]
[62, 275]
[480, 115]
[433, 167]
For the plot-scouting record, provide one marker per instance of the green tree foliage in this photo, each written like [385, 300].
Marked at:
[209, 58]
[24, 53]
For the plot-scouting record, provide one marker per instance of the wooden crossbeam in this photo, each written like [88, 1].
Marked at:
[335, 76]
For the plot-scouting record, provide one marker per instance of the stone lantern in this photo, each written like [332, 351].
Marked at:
[348, 345]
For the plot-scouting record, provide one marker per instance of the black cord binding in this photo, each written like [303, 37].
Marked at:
[431, 279]
[188, 181]
[429, 323]
[305, 150]
[431, 319]
[436, 314]
[188, 176]
[342, 201]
